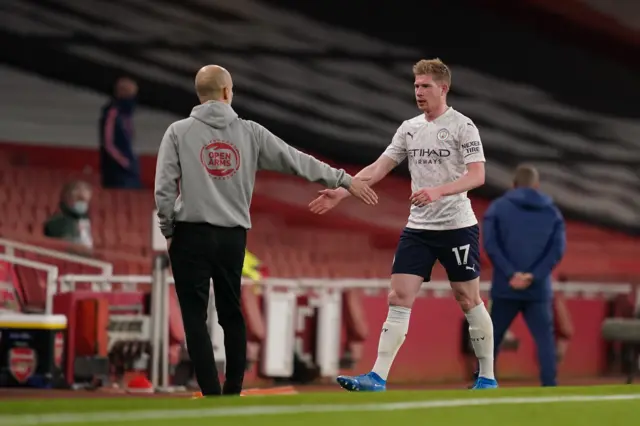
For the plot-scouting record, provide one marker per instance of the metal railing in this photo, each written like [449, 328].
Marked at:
[586, 289]
[160, 283]
[102, 283]
[11, 246]
[52, 277]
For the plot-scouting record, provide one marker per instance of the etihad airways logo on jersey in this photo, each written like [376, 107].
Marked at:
[428, 156]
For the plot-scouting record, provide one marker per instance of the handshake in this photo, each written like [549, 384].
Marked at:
[329, 198]
[521, 280]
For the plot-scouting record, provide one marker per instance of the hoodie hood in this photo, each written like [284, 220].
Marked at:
[529, 198]
[215, 114]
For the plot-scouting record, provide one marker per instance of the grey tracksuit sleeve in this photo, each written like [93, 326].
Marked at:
[168, 173]
[276, 155]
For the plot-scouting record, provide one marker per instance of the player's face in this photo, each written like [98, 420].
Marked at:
[429, 93]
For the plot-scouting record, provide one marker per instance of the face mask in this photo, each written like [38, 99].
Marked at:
[80, 207]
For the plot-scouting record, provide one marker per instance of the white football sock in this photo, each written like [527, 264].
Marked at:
[481, 333]
[394, 331]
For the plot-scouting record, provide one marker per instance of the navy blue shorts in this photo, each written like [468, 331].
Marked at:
[458, 250]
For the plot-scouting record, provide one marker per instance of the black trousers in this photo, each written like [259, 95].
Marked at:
[200, 252]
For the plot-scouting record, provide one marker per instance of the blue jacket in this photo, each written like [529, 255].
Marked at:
[523, 231]
[118, 162]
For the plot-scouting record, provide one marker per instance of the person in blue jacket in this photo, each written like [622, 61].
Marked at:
[119, 164]
[524, 236]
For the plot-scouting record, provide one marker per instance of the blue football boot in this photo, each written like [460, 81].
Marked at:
[369, 382]
[484, 383]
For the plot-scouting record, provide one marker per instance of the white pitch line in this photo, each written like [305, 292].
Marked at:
[261, 410]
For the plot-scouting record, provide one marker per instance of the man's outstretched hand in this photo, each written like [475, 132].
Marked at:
[329, 198]
[361, 190]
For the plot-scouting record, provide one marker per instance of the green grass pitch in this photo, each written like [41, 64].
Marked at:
[562, 406]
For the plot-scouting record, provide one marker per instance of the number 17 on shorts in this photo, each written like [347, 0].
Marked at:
[461, 257]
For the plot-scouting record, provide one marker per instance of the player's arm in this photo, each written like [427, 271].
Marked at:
[376, 171]
[168, 173]
[470, 180]
[473, 156]
[395, 154]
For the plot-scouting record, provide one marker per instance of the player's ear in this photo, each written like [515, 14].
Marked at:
[444, 88]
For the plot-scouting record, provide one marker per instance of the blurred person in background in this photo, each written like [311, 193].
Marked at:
[524, 236]
[119, 165]
[253, 269]
[563, 327]
[71, 222]
[562, 324]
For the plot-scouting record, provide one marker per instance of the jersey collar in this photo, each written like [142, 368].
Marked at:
[442, 117]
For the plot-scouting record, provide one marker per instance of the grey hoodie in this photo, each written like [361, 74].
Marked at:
[207, 166]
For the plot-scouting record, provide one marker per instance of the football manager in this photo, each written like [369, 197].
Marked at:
[205, 175]
[524, 236]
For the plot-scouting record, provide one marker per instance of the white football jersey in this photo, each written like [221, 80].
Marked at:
[438, 152]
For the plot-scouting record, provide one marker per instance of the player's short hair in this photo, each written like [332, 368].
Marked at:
[435, 68]
[526, 176]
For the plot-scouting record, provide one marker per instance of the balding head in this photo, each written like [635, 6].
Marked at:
[213, 83]
[526, 176]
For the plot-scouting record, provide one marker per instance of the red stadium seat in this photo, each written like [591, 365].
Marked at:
[32, 286]
[290, 240]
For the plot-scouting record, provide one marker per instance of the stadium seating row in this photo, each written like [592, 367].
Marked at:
[513, 113]
[292, 242]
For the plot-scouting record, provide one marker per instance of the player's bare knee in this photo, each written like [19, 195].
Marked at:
[400, 298]
[465, 304]
[462, 300]
[404, 289]
[467, 301]
[467, 294]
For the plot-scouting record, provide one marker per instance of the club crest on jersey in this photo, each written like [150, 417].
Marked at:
[22, 363]
[443, 134]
